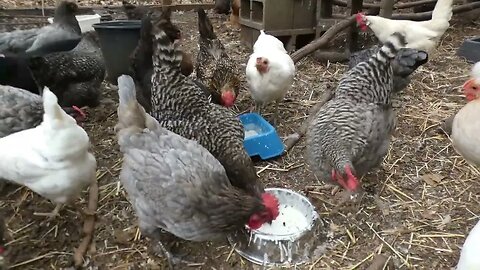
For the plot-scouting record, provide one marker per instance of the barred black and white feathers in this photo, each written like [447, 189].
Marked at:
[350, 134]
[404, 64]
[182, 107]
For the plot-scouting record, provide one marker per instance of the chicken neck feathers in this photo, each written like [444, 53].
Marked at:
[354, 127]
[182, 107]
[176, 173]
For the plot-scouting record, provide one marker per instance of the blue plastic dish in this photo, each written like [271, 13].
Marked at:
[261, 138]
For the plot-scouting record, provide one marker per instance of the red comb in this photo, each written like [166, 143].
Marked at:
[271, 203]
[79, 111]
[2, 249]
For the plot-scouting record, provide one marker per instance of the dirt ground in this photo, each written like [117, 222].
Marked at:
[417, 209]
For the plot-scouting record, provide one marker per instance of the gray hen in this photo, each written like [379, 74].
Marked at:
[351, 133]
[62, 35]
[404, 64]
[75, 77]
[182, 107]
[175, 184]
[20, 110]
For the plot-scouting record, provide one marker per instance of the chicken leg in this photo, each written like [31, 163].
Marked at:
[160, 248]
[52, 214]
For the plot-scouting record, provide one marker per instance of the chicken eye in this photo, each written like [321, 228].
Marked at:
[265, 62]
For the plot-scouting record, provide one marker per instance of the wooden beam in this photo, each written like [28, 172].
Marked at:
[428, 15]
[386, 9]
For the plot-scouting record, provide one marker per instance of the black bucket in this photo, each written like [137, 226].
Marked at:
[470, 50]
[118, 39]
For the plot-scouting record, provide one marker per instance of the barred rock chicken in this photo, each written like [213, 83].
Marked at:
[20, 110]
[141, 59]
[175, 184]
[469, 258]
[14, 71]
[134, 12]
[270, 71]
[62, 35]
[404, 64]
[215, 69]
[423, 35]
[51, 159]
[182, 107]
[74, 76]
[466, 124]
[351, 133]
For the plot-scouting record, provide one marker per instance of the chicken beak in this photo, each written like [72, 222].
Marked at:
[468, 84]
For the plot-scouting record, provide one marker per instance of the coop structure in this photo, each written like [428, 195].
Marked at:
[294, 22]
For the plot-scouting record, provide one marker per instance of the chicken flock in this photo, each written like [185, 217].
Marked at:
[184, 168]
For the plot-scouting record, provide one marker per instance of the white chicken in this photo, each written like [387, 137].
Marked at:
[420, 35]
[51, 159]
[270, 71]
[466, 123]
[469, 259]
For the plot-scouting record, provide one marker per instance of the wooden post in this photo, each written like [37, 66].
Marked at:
[324, 11]
[352, 39]
[386, 8]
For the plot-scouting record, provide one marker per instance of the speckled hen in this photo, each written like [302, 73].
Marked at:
[20, 110]
[75, 77]
[351, 133]
[215, 69]
[404, 64]
[62, 35]
[175, 184]
[181, 106]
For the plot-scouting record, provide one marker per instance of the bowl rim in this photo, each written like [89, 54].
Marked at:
[265, 123]
[118, 24]
[295, 235]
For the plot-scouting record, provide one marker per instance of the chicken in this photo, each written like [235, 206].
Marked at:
[234, 16]
[51, 159]
[423, 35]
[182, 107]
[469, 259]
[134, 12]
[141, 59]
[75, 77]
[62, 35]
[466, 124]
[175, 184]
[215, 69]
[351, 133]
[404, 64]
[270, 71]
[20, 110]
[14, 71]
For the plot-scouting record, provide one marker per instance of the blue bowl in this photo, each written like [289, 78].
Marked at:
[261, 139]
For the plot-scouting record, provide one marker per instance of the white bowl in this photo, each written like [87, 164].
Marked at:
[274, 245]
[85, 21]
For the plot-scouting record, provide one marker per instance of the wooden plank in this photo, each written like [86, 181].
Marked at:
[386, 9]
[49, 11]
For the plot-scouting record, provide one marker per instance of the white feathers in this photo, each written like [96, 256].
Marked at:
[475, 73]
[51, 159]
[470, 256]
[267, 42]
[126, 89]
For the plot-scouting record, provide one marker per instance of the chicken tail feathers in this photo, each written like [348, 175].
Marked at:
[408, 60]
[442, 10]
[391, 47]
[130, 113]
[205, 27]
[165, 52]
[52, 111]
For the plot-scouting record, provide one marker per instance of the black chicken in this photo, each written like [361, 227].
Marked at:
[223, 6]
[62, 35]
[75, 76]
[14, 71]
[405, 63]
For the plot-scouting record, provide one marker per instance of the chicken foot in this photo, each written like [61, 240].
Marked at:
[160, 248]
[52, 214]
